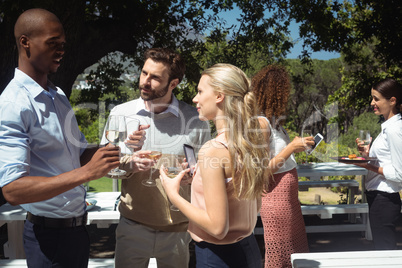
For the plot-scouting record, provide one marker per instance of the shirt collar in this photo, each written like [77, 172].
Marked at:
[173, 107]
[32, 86]
[390, 121]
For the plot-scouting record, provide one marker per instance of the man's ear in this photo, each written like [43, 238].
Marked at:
[24, 45]
[174, 83]
[24, 41]
[220, 97]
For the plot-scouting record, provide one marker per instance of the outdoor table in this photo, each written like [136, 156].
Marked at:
[372, 258]
[319, 170]
[314, 173]
[329, 169]
[103, 214]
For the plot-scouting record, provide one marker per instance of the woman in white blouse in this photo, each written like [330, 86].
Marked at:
[384, 178]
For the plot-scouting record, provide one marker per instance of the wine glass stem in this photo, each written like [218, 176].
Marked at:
[150, 175]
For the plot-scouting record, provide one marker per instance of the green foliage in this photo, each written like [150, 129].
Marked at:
[308, 101]
[340, 26]
[343, 199]
[93, 132]
[361, 72]
[248, 50]
[107, 89]
[91, 117]
[186, 91]
[366, 121]
[106, 84]
[75, 97]
[323, 153]
[102, 185]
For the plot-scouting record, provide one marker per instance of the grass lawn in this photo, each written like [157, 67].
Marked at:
[102, 185]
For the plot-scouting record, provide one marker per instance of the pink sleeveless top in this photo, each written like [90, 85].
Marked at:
[242, 213]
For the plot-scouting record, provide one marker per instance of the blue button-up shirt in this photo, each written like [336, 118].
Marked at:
[39, 136]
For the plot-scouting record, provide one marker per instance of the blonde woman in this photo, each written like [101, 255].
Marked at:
[231, 174]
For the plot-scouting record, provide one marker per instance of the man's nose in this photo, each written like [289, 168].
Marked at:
[61, 49]
[147, 80]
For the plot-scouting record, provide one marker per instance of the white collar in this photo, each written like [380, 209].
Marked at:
[391, 121]
[173, 107]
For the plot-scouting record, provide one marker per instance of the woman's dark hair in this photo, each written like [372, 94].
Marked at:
[390, 88]
[271, 86]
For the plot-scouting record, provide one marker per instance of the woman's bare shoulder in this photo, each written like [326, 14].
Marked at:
[212, 148]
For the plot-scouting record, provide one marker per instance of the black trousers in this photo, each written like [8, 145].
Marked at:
[64, 247]
[242, 254]
[384, 211]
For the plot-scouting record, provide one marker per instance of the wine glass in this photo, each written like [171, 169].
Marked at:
[115, 131]
[364, 136]
[133, 124]
[173, 169]
[306, 132]
[155, 156]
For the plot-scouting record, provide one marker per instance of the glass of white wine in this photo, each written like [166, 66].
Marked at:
[155, 156]
[115, 132]
[174, 168]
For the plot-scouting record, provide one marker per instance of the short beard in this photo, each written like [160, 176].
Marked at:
[155, 94]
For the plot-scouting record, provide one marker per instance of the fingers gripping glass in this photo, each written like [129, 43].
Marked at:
[306, 132]
[155, 156]
[115, 131]
[364, 137]
[133, 124]
[174, 168]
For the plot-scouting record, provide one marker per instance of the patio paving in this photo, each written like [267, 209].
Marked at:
[103, 239]
[347, 241]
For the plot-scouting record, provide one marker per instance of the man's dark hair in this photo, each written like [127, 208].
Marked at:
[167, 56]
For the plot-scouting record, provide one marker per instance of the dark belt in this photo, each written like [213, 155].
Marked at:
[57, 223]
[376, 192]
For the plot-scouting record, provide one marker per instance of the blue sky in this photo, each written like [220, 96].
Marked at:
[231, 17]
[296, 51]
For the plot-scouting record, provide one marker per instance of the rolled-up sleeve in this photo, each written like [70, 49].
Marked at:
[393, 171]
[14, 144]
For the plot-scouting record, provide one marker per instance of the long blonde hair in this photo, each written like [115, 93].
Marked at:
[248, 150]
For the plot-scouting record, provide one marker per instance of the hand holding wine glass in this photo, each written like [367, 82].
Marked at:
[155, 156]
[115, 131]
[363, 142]
[364, 137]
[172, 183]
[306, 132]
[135, 134]
[172, 170]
